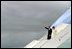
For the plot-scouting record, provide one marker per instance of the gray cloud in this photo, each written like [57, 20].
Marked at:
[28, 16]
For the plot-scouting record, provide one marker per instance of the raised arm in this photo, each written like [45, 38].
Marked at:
[46, 28]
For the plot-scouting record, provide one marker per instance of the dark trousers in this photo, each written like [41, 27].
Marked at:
[49, 35]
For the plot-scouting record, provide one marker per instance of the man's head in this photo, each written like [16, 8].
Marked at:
[53, 27]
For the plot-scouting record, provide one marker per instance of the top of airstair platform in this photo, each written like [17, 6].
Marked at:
[64, 32]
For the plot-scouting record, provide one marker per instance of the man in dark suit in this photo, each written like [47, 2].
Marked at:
[49, 32]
